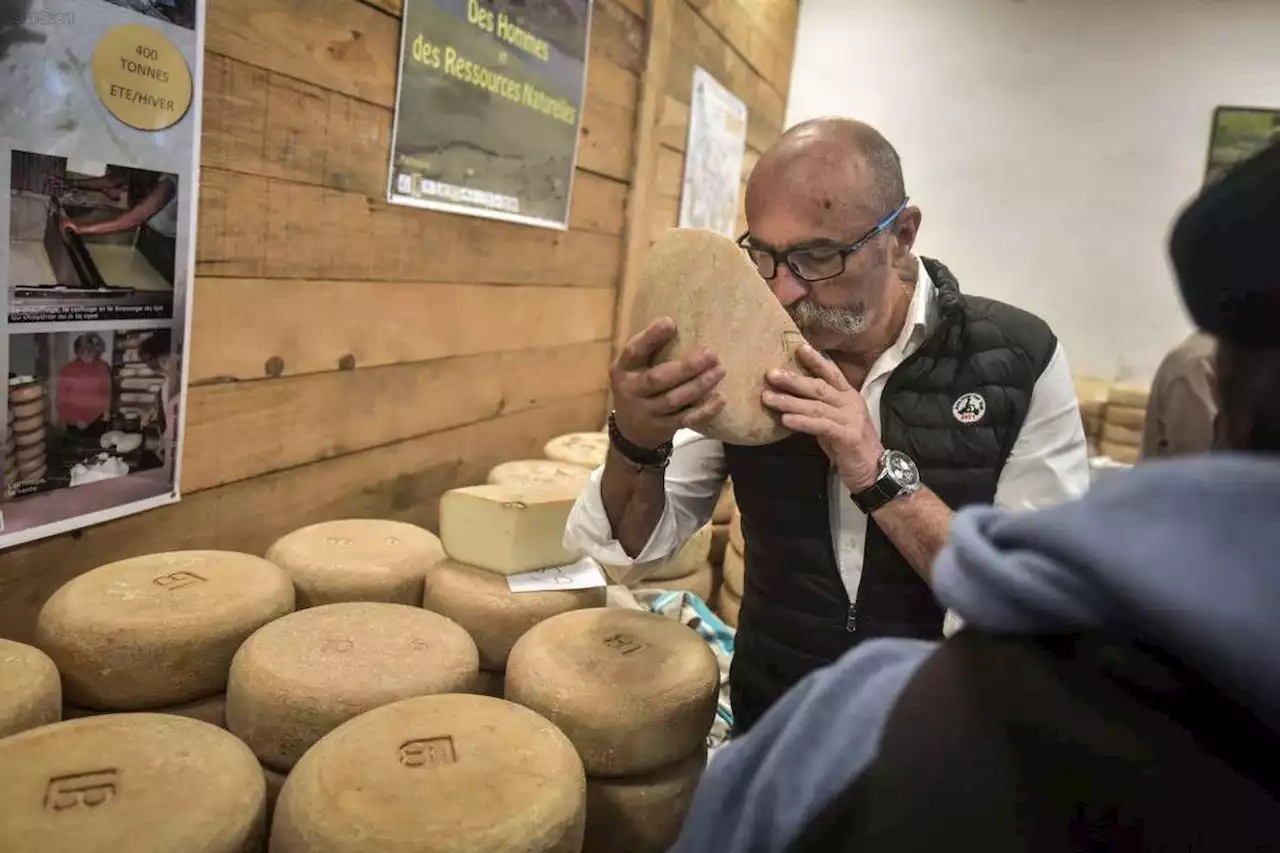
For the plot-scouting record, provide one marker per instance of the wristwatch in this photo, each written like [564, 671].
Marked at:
[898, 478]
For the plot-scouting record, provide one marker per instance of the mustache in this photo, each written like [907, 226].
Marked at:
[810, 318]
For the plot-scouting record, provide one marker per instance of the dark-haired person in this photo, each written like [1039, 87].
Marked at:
[928, 399]
[156, 351]
[1182, 411]
[1117, 685]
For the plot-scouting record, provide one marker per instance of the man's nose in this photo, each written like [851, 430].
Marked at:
[787, 288]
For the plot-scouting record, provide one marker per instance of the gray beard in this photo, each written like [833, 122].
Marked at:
[813, 319]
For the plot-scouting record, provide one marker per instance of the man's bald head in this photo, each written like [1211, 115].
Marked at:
[835, 162]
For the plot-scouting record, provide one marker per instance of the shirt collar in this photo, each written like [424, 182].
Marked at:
[921, 313]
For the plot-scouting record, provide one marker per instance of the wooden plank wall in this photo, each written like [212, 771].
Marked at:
[349, 358]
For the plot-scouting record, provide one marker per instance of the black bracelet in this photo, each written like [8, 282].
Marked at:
[641, 457]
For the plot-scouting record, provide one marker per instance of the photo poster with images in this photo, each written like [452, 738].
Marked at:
[99, 146]
[716, 146]
[489, 107]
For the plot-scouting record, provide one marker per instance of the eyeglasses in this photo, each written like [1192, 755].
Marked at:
[814, 263]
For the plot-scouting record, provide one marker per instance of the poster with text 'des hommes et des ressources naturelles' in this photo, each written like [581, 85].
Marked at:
[99, 136]
[488, 107]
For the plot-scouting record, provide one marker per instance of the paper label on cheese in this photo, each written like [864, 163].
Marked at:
[583, 574]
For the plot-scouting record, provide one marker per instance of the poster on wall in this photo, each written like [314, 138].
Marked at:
[713, 164]
[1238, 134]
[488, 107]
[99, 136]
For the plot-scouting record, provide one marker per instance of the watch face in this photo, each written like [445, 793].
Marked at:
[901, 469]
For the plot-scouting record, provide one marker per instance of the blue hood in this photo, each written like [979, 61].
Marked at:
[1184, 554]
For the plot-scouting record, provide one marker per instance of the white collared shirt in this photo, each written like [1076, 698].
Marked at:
[1049, 464]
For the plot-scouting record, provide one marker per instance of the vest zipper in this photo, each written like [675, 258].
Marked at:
[851, 622]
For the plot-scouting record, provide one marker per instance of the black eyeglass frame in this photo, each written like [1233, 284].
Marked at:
[844, 251]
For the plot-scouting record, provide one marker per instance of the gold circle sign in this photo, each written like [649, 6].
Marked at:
[141, 77]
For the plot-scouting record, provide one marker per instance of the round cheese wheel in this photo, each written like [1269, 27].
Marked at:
[728, 606]
[724, 506]
[735, 571]
[126, 782]
[1116, 434]
[709, 287]
[1124, 453]
[30, 692]
[483, 604]
[159, 630]
[587, 449]
[463, 774]
[719, 543]
[25, 392]
[735, 532]
[357, 560]
[701, 583]
[1129, 417]
[298, 678]
[691, 558]
[31, 454]
[489, 684]
[34, 408]
[32, 472]
[634, 691]
[10, 444]
[33, 434]
[1134, 396]
[539, 472]
[211, 710]
[641, 814]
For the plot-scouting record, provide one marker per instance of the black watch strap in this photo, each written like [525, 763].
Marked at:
[880, 493]
[641, 457]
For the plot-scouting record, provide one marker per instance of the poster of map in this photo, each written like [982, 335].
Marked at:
[489, 106]
[713, 165]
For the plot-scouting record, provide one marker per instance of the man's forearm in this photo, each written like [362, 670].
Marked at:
[633, 500]
[917, 525]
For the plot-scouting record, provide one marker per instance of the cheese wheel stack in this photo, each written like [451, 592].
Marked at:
[462, 774]
[1123, 423]
[359, 559]
[1091, 394]
[585, 449]
[10, 455]
[298, 678]
[636, 694]
[513, 524]
[130, 782]
[689, 570]
[158, 632]
[25, 443]
[729, 602]
[30, 692]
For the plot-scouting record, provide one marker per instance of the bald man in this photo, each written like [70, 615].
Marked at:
[921, 400]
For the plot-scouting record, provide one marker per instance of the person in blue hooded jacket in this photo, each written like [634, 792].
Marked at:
[1117, 686]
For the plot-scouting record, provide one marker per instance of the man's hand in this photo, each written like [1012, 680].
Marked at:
[653, 402]
[65, 223]
[828, 408]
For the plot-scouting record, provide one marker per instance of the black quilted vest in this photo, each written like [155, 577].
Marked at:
[796, 615]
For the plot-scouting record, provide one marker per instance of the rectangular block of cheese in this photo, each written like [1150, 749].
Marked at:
[507, 529]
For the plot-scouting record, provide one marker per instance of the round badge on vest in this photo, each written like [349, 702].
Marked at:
[969, 408]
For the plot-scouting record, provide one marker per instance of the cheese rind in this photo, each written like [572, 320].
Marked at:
[211, 710]
[159, 630]
[30, 691]
[507, 529]
[735, 532]
[298, 678]
[641, 814]
[725, 505]
[728, 606]
[460, 773]
[701, 582]
[130, 782]
[691, 558]
[633, 691]
[735, 571]
[358, 559]
[539, 472]
[494, 616]
[719, 543]
[587, 449]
